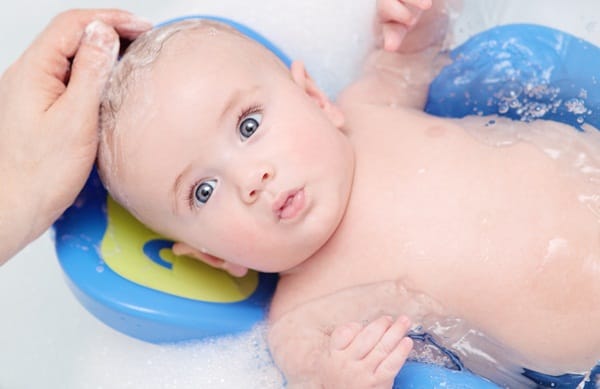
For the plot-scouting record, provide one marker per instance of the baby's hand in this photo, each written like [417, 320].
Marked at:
[367, 356]
[395, 18]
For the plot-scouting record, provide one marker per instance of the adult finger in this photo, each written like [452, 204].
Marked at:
[61, 38]
[64, 32]
[91, 68]
[45, 65]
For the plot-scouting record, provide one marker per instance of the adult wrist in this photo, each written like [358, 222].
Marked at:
[17, 221]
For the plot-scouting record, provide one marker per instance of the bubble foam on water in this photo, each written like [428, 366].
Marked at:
[241, 361]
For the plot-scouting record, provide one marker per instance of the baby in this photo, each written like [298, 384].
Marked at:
[371, 211]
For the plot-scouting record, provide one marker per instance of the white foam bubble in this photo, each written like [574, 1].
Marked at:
[240, 361]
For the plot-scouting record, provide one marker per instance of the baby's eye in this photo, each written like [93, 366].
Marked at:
[249, 125]
[204, 190]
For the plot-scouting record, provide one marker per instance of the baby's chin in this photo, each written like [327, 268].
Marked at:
[297, 255]
[277, 256]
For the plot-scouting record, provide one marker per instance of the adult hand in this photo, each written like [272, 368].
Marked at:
[49, 102]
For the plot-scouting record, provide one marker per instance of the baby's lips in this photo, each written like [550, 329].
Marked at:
[289, 203]
[281, 200]
[293, 207]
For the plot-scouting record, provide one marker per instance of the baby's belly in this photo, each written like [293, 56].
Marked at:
[506, 237]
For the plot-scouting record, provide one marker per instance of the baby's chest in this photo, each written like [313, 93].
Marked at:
[438, 209]
[509, 275]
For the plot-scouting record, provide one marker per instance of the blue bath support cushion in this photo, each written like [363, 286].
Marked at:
[524, 72]
[128, 277]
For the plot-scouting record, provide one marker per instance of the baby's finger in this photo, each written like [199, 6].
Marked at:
[343, 335]
[390, 366]
[421, 4]
[395, 11]
[389, 341]
[368, 337]
[393, 34]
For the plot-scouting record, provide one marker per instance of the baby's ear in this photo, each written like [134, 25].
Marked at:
[304, 81]
[180, 248]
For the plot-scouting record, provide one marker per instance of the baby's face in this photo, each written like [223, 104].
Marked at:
[227, 153]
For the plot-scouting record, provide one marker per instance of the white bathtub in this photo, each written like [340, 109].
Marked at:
[47, 340]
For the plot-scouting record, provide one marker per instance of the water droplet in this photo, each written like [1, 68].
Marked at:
[515, 104]
[576, 106]
[510, 91]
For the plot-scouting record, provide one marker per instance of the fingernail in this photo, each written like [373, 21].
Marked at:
[407, 342]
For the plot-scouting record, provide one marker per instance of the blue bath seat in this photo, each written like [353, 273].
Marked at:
[127, 276]
[524, 72]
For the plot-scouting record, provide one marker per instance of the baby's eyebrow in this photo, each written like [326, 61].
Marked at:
[177, 188]
[233, 100]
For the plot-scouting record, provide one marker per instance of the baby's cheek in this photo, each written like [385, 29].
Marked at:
[240, 239]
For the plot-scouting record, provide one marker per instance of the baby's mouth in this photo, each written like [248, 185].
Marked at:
[289, 204]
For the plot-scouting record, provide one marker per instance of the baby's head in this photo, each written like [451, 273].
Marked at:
[208, 138]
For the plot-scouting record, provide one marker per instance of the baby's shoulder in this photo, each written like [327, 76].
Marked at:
[365, 121]
[395, 79]
[291, 293]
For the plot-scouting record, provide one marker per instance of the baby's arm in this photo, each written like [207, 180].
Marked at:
[348, 339]
[407, 56]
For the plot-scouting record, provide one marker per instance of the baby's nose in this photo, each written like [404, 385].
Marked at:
[255, 182]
